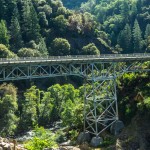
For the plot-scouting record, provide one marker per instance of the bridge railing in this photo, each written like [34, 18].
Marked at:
[103, 56]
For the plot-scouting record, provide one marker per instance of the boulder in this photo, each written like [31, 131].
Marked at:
[96, 141]
[83, 137]
[6, 144]
[1, 139]
[116, 127]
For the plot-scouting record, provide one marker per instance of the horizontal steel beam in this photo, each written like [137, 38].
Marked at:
[76, 59]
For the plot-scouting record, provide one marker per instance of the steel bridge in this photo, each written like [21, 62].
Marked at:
[100, 72]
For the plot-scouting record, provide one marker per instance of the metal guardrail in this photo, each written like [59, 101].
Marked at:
[69, 57]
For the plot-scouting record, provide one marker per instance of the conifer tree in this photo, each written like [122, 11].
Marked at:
[25, 19]
[2, 9]
[125, 10]
[15, 32]
[147, 31]
[4, 37]
[137, 37]
[10, 6]
[42, 47]
[124, 39]
[31, 27]
[134, 9]
[34, 31]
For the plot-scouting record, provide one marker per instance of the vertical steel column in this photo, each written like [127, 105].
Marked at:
[115, 90]
[94, 101]
[100, 106]
[84, 111]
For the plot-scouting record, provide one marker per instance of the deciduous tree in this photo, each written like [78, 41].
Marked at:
[90, 49]
[60, 47]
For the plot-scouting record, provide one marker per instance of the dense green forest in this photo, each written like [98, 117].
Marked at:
[41, 28]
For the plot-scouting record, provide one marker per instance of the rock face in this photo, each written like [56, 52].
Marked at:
[136, 136]
[117, 127]
[6, 144]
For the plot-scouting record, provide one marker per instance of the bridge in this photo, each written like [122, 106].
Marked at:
[100, 72]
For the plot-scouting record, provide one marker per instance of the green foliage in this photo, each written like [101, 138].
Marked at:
[46, 25]
[147, 103]
[90, 49]
[144, 106]
[42, 19]
[108, 141]
[42, 139]
[75, 23]
[129, 77]
[61, 23]
[15, 32]
[73, 3]
[148, 44]
[8, 108]
[28, 52]
[114, 15]
[87, 7]
[5, 53]
[30, 110]
[137, 37]
[73, 135]
[35, 20]
[132, 92]
[59, 102]
[60, 47]
[125, 39]
[46, 106]
[60, 136]
[147, 31]
[125, 9]
[72, 113]
[4, 37]
[42, 48]
[31, 28]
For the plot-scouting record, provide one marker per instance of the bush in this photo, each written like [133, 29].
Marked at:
[90, 49]
[60, 47]
[28, 52]
[43, 139]
[5, 53]
[144, 106]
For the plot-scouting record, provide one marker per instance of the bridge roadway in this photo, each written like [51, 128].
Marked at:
[77, 59]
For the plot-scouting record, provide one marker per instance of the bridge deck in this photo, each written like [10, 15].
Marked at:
[77, 59]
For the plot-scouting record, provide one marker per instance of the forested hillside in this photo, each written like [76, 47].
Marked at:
[126, 22]
[41, 28]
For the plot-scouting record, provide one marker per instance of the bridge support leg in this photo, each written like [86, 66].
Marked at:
[100, 106]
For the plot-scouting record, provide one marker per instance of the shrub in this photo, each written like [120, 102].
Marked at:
[43, 139]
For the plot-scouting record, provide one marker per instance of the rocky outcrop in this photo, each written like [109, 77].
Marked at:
[6, 144]
[136, 135]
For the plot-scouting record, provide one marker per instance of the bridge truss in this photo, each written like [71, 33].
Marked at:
[99, 73]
